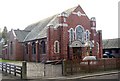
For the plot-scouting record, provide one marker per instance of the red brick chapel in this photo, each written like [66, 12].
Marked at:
[68, 35]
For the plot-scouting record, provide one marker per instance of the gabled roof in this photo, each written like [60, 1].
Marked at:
[39, 29]
[111, 43]
[21, 34]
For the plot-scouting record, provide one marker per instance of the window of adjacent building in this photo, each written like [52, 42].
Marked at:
[71, 35]
[80, 33]
[33, 48]
[11, 47]
[43, 47]
[117, 51]
[97, 47]
[56, 46]
[87, 35]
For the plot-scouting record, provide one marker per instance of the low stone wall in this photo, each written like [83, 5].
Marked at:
[39, 70]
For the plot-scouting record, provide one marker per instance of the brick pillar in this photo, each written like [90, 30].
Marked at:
[50, 43]
[64, 35]
[93, 34]
[93, 28]
[29, 51]
[100, 44]
[37, 51]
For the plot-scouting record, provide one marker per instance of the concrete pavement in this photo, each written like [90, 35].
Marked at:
[85, 75]
[72, 77]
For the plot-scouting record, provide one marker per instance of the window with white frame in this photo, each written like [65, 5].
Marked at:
[80, 33]
[71, 35]
[56, 46]
[87, 35]
[97, 47]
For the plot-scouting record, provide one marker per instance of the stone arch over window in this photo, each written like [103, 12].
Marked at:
[71, 34]
[79, 33]
[56, 46]
[43, 47]
[87, 35]
[33, 48]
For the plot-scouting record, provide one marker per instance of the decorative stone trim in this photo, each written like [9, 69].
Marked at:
[63, 14]
[77, 44]
[36, 41]
[63, 24]
[78, 13]
[29, 42]
[93, 28]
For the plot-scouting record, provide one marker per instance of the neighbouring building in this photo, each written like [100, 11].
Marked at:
[68, 35]
[15, 48]
[1, 45]
[112, 46]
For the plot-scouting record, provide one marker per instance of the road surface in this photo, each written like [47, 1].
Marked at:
[110, 76]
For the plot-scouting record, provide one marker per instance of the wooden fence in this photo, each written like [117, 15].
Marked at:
[75, 66]
[14, 69]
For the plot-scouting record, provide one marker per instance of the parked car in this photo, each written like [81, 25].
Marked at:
[108, 55]
[91, 59]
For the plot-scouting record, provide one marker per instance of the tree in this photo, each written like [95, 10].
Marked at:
[5, 34]
[0, 33]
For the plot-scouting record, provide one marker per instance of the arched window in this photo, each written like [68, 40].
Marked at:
[97, 47]
[33, 48]
[43, 47]
[71, 35]
[11, 47]
[26, 48]
[80, 33]
[56, 46]
[87, 35]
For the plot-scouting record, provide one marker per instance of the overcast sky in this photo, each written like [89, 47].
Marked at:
[21, 13]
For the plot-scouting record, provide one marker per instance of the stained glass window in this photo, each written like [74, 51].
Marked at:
[80, 33]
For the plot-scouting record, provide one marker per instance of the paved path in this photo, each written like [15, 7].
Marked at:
[113, 75]
[9, 76]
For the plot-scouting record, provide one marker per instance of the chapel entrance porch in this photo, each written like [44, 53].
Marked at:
[76, 48]
[77, 53]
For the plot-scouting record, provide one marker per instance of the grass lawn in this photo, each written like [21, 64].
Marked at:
[2, 60]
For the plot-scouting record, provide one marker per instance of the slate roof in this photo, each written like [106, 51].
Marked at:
[30, 27]
[21, 34]
[111, 43]
[39, 29]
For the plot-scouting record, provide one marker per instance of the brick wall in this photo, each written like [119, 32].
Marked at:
[62, 35]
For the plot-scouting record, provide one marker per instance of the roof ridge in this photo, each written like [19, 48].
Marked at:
[44, 22]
